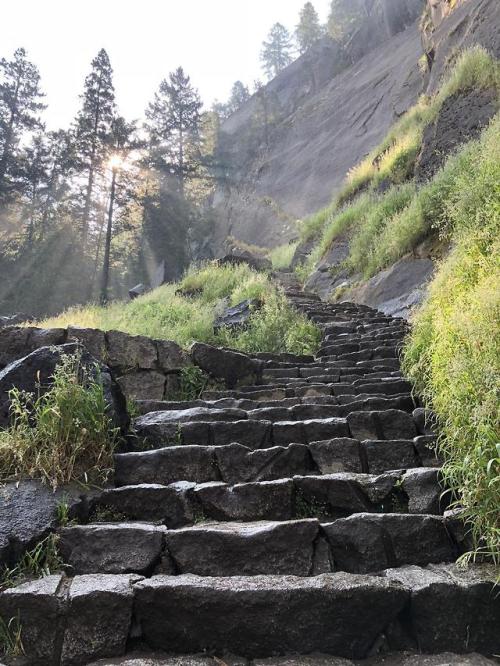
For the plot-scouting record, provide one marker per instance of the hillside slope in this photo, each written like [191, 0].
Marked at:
[330, 114]
[330, 108]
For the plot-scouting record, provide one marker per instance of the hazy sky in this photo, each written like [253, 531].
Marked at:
[216, 41]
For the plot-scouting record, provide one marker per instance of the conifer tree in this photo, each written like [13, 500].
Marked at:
[344, 16]
[239, 95]
[308, 30]
[122, 142]
[93, 127]
[276, 50]
[173, 128]
[20, 107]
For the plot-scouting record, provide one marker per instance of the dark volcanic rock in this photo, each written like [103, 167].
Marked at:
[246, 257]
[28, 512]
[33, 374]
[233, 367]
[167, 465]
[39, 610]
[452, 609]
[267, 500]
[244, 549]
[461, 118]
[238, 316]
[114, 548]
[336, 613]
[98, 618]
[371, 542]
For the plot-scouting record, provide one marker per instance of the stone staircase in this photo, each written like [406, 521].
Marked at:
[303, 514]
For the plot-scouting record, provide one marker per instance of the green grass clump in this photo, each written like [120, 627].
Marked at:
[185, 312]
[453, 353]
[281, 257]
[369, 226]
[42, 560]
[11, 644]
[274, 328]
[62, 435]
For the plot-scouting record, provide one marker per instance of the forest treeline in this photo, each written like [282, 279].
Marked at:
[88, 211]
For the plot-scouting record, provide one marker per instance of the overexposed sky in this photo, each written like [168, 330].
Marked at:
[216, 41]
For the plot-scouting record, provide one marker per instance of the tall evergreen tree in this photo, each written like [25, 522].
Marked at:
[20, 107]
[33, 174]
[239, 95]
[344, 17]
[173, 128]
[308, 30]
[93, 127]
[276, 51]
[122, 142]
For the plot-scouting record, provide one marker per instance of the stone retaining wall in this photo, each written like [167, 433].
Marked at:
[145, 369]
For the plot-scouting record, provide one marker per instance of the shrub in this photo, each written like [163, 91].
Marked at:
[63, 435]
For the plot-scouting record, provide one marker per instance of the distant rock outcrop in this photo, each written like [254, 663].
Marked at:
[289, 147]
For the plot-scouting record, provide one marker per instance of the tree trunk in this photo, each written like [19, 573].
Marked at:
[107, 246]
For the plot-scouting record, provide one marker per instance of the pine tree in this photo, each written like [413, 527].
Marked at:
[34, 165]
[20, 107]
[239, 95]
[92, 130]
[308, 30]
[173, 128]
[122, 142]
[344, 17]
[276, 51]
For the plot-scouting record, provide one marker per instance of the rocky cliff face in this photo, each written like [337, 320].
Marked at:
[290, 146]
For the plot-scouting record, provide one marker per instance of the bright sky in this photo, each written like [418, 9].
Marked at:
[216, 41]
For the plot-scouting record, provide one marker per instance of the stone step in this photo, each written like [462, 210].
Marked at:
[407, 658]
[78, 620]
[235, 463]
[385, 382]
[159, 429]
[327, 496]
[362, 543]
[246, 404]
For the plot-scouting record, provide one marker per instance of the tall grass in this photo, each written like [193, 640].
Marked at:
[63, 435]
[453, 353]
[185, 312]
[281, 257]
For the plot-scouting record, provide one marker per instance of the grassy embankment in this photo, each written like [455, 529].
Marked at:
[185, 312]
[453, 353]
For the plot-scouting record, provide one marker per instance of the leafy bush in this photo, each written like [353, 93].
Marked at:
[63, 435]
[453, 353]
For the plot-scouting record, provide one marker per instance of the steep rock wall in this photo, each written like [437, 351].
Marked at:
[325, 112]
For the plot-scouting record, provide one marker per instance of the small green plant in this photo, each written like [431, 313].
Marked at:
[193, 382]
[108, 514]
[306, 507]
[62, 435]
[63, 513]
[11, 644]
[133, 408]
[42, 560]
